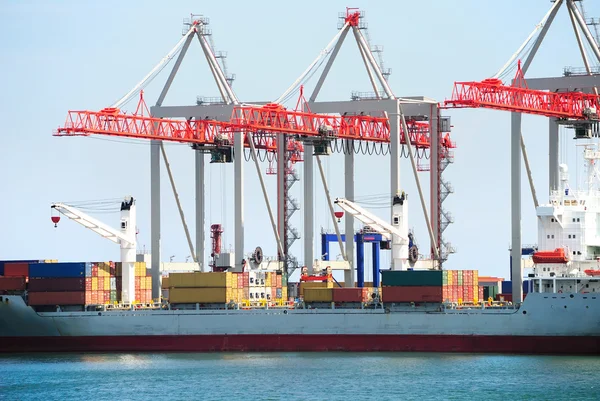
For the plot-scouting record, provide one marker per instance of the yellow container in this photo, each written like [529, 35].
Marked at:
[318, 294]
[200, 280]
[314, 285]
[165, 283]
[107, 284]
[200, 295]
[94, 283]
[148, 282]
[142, 283]
[51, 261]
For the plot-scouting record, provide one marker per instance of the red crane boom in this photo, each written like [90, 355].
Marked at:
[263, 121]
[493, 94]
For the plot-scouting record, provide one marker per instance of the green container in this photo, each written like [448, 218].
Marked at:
[414, 278]
[460, 280]
[113, 296]
[284, 280]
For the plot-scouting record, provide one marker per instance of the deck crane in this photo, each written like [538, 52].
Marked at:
[403, 255]
[125, 236]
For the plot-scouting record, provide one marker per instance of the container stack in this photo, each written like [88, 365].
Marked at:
[62, 284]
[430, 286]
[14, 275]
[143, 282]
[200, 287]
[224, 287]
[461, 286]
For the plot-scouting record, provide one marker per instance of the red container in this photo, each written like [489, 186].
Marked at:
[412, 294]
[57, 298]
[94, 270]
[149, 295]
[273, 293]
[16, 269]
[57, 284]
[350, 294]
[12, 283]
[88, 297]
[278, 280]
[88, 284]
[113, 269]
[137, 283]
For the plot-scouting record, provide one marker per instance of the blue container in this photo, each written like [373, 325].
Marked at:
[44, 270]
[88, 270]
[506, 287]
[526, 286]
[2, 262]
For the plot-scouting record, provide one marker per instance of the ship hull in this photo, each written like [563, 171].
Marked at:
[544, 324]
[307, 343]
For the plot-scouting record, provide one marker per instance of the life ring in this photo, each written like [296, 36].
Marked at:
[413, 254]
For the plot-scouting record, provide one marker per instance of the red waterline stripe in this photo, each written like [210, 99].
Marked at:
[307, 342]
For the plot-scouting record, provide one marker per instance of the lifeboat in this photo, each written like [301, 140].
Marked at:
[593, 273]
[555, 256]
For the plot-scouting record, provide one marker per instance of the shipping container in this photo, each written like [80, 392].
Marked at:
[165, 283]
[75, 269]
[57, 284]
[57, 298]
[412, 294]
[350, 294]
[318, 294]
[199, 295]
[12, 284]
[16, 269]
[507, 287]
[200, 280]
[3, 262]
[411, 278]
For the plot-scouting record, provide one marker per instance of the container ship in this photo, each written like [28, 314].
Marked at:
[49, 306]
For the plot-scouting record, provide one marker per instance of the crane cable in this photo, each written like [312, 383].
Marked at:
[535, 31]
[325, 52]
[154, 72]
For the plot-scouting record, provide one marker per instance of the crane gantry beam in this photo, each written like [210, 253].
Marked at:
[491, 93]
[263, 121]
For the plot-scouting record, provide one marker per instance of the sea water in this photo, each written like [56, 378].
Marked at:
[298, 376]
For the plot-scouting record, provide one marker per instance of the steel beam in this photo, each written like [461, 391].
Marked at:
[332, 57]
[281, 199]
[395, 147]
[553, 158]
[155, 182]
[308, 206]
[238, 167]
[570, 83]
[412, 106]
[434, 179]
[349, 227]
[200, 210]
[515, 184]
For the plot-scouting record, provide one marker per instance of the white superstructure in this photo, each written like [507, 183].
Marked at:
[569, 225]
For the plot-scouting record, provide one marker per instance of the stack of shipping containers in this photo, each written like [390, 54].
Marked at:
[225, 287]
[50, 283]
[430, 286]
[14, 275]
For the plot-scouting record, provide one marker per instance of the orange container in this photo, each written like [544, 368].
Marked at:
[16, 269]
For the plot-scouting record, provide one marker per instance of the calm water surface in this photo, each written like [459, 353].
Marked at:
[298, 376]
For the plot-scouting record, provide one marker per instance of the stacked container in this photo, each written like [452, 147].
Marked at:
[430, 286]
[224, 287]
[58, 283]
[143, 282]
[200, 287]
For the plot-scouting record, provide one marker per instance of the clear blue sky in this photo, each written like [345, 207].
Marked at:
[84, 55]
